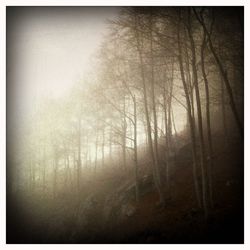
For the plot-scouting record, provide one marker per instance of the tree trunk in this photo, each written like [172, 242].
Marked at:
[96, 151]
[79, 160]
[44, 171]
[124, 129]
[103, 144]
[224, 75]
[110, 145]
[199, 114]
[190, 121]
[55, 162]
[224, 114]
[137, 194]
[209, 134]
[145, 99]
[166, 139]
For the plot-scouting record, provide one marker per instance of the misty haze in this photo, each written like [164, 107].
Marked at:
[125, 125]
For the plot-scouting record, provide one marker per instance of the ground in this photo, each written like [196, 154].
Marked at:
[107, 212]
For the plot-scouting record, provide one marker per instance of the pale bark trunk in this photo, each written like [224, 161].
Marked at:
[96, 151]
[55, 168]
[44, 171]
[137, 194]
[209, 134]
[166, 138]
[110, 145]
[150, 141]
[79, 160]
[103, 144]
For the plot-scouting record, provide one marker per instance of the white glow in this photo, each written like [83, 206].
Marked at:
[57, 48]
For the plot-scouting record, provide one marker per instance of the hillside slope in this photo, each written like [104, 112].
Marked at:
[107, 212]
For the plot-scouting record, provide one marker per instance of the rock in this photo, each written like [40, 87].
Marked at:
[128, 194]
[110, 208]
[84, 209]
[127, 210]
[146, 184]
[117, 206]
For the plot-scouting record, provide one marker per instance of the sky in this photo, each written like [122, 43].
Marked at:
[49, 49]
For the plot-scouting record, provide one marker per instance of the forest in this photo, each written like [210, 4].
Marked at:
[148, 147]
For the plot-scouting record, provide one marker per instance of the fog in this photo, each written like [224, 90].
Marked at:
[53, 49]
[124, 124]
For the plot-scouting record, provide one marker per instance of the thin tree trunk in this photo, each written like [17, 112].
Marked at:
[79, 160]
[44, 171]
[124, 144]
[169, 127]
[224, 75]
[199, 114]
[145, 97]
[175, 136]
[31, 181]
[153, 102]
[166, 139]
[69, 171]
[96, 151]
[190, 121]
[103, 143]
[110, 145]
[55, 162]
[137, 194]
[224, 117]
[209, 134]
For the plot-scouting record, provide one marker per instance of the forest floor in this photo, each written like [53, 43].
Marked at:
[107, 212]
